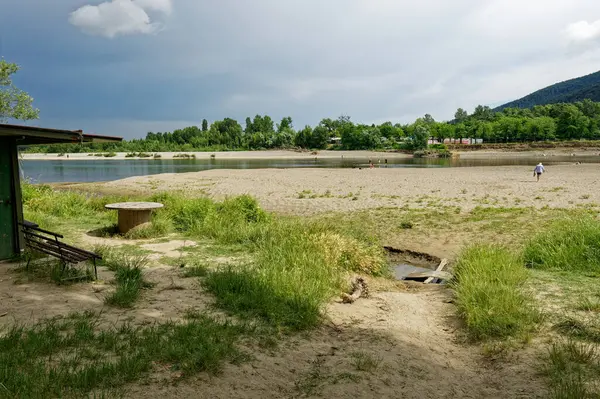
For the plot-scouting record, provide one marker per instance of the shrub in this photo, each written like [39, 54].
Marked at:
[438, 147]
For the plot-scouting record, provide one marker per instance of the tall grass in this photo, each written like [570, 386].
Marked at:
[490, 293]
[297, 265]
[571, 245]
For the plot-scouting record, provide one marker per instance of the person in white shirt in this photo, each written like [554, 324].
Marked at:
[539, 169]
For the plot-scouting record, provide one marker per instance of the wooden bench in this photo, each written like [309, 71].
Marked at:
[47, 242]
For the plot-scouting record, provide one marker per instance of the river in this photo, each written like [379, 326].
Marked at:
[75, 171]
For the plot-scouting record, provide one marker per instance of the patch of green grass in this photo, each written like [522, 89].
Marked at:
[311, 382]
[577, 329]
[51, 269]
[570, 244]
[587, 304]
[71, 357]
[159, 227]
[195, 271]
[572, 368]
[297, 268]
[363, 361]
[129, 278]
[556, 189]
[489, 286]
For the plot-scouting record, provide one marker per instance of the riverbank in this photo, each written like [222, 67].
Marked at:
[279, 154]
[469, 152]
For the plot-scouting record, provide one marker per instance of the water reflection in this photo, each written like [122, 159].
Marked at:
[105, 170]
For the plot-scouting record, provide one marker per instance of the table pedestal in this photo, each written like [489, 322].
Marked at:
[128, 219]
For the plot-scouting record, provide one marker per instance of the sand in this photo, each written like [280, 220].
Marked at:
[314, 191]
[257, 155]
[413, 332]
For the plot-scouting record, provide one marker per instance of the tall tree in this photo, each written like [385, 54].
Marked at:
[14, 103]
[204, 125]
[461, 115]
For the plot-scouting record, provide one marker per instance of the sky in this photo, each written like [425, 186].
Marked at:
[126, 67]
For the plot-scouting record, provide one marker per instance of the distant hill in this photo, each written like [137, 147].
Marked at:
[569, 91]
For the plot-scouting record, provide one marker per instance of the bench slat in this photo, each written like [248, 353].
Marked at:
[54, 251]
[41, 230]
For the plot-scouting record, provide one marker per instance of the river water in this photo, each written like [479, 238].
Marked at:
[75, 171]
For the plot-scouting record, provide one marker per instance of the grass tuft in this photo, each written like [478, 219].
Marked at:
[489, 293]
[129, 278]
[363, 361]
[572, 367]
[570, 245]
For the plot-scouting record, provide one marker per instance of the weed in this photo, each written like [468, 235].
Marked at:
[195, 271]
[489, 291]
[570, 244]
[406, 224]
[588, 305]
[363, 361]
[129, 279]
[310, 383]
[571, 367]
[577, 329]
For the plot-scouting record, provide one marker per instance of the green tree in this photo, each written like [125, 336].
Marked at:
[286, 123]
[204, 125]
[14, 103]
[319, 138]
[304, 137]
[419, 137]
[461, 115]
[483, 113]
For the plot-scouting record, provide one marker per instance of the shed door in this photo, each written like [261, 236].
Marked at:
[7, 232]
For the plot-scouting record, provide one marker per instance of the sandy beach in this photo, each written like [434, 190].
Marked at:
[281, 154]
[314, 191]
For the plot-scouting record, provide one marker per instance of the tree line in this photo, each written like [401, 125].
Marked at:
[564, 121]
[553, 122]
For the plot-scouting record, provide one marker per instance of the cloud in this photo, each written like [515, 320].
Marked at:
[583, 32]
[120, 17]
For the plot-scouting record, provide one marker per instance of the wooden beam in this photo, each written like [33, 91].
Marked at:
[16, 197]
[443, 264]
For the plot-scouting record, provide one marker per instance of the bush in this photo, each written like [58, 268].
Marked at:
[439, 147]
[490, 295]
[569, 244]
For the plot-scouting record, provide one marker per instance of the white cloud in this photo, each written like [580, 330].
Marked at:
[119, 17]
[583, 31]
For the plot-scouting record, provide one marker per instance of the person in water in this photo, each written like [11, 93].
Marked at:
[539, 169]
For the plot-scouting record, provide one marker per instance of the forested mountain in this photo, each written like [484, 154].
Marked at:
[569, 91]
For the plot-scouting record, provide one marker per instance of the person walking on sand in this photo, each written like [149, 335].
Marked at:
[539, 169]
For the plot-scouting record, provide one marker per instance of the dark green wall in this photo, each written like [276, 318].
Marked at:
[10, 200]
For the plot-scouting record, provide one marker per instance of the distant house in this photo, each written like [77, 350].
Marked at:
[11, 207]
[335, 140]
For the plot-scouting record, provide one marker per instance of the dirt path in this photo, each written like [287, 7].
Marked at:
[394, 345]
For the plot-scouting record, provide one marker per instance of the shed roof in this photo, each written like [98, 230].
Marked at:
[28, 135]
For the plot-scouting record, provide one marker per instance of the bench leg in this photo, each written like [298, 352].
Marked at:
[28, 261]
[95, 270]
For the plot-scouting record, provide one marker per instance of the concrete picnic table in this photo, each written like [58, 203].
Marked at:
[132, 214]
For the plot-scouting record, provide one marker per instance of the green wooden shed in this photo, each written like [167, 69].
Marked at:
[11, 206]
